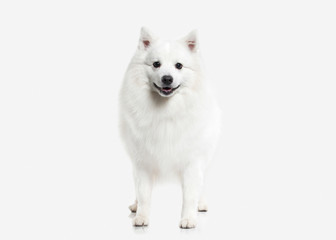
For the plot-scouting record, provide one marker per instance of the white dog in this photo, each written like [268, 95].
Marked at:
[169, 121]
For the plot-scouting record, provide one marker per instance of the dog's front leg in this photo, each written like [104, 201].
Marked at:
[143, 188]
[192, 179]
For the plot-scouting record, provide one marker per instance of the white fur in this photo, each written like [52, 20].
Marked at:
[171, 136]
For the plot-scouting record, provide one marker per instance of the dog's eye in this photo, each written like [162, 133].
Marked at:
[156, 64]
[178, 65]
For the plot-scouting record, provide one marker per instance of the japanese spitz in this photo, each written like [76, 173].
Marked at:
[169, 121]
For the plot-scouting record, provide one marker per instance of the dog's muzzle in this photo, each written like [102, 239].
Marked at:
[166, 90]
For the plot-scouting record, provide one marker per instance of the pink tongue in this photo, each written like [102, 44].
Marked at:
[166, 90]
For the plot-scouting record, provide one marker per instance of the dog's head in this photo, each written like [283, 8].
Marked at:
[170, 65]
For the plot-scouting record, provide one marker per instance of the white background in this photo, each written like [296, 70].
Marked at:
[63, 171]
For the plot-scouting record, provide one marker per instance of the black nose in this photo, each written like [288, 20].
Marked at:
[167, 79]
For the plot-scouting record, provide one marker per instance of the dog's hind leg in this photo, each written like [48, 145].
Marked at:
[202, 202]
[134, 206]
[202, 205]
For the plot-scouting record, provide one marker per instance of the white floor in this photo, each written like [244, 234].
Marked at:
[88, 198]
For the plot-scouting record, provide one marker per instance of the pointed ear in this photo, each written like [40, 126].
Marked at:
[191, 40]
[146, 38]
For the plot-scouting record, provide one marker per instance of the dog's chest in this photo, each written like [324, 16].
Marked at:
[165, 135]
[170, 136]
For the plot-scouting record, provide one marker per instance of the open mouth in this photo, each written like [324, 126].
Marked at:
[166, 90]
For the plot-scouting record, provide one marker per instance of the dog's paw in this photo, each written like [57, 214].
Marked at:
[202, 207]
[188, 223]
[140, 221]
[133, 207]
